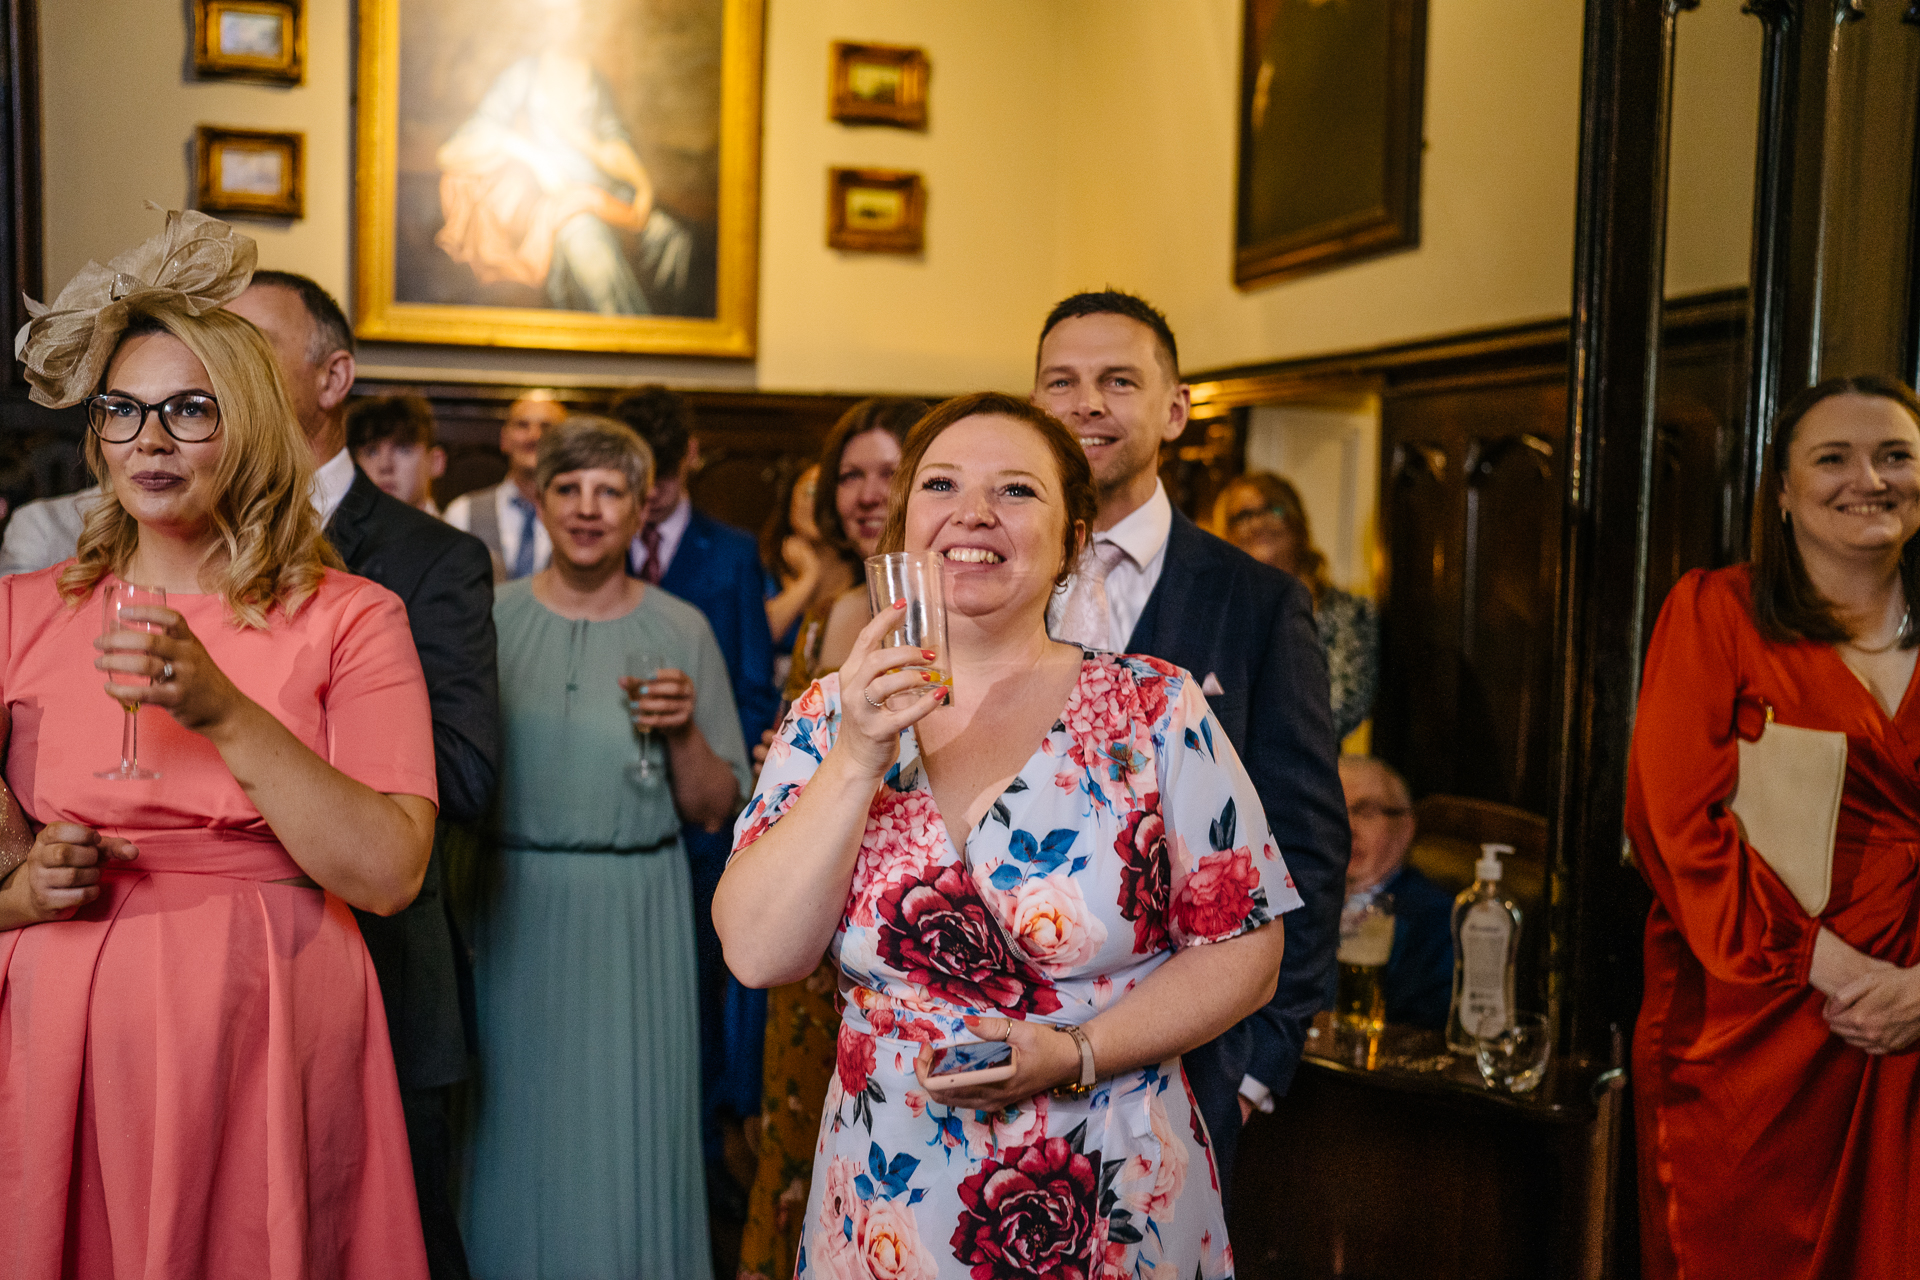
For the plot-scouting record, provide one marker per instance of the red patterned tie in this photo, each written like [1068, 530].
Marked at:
[650, 539]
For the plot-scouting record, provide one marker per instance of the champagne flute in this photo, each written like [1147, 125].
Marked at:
[116, 597]
[644, 665]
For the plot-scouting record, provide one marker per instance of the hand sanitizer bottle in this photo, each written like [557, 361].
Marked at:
[1486, 944]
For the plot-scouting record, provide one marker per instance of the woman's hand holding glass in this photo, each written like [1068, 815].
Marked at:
[661, 703]
[1044, 1057]
[869, 730]
[184, 679]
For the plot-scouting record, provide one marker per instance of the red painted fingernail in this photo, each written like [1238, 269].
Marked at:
[929, 655]
[899, 604]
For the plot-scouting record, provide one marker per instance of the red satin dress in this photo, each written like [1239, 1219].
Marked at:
[1767, 1145]
[195, 1076]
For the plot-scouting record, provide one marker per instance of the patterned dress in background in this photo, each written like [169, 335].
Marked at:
[1132, 832]
[1350, 633]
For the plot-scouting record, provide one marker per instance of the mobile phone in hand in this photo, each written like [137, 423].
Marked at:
[978, 1062]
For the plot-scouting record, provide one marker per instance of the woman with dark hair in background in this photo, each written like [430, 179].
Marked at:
[586, 1151]
[195, 1073]
[1775, 1077]
[809, 573]
[850, 510]
[1261, 513]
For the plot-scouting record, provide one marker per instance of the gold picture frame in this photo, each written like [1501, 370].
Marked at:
[264, 40]
[876, 211]
[459, 241]
[878, 84]
[252, 171]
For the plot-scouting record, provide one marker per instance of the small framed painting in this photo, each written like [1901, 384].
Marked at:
[248, 171]
[262, 40]
[878, 84]
[876, 211]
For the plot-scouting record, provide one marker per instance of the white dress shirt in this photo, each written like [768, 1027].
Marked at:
[460, 516]
[330, 484]
[671, 530]
[1143, 536]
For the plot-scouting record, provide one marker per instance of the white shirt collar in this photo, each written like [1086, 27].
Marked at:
[330, 484]
[675, 525]
[1143, 532]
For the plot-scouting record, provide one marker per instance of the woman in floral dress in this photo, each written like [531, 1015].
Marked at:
[1106, 831]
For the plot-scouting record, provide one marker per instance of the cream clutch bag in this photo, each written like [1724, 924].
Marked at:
[1787, 802]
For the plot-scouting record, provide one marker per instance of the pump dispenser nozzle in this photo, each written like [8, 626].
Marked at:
[1488, 867]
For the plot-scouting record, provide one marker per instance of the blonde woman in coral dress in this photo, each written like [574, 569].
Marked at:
[195, 1076]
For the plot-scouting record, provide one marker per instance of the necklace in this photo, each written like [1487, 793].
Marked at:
[1899, 634]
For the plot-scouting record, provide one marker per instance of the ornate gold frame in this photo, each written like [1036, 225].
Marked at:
[907, 111]
[209, 60]
[209, 140]
[843, 232]
[731, 331]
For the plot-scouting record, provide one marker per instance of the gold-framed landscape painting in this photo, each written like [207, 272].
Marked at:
[263, 40]
[249, 171]
[570, 174]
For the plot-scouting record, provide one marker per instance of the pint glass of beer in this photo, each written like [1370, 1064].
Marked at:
[1366, 940]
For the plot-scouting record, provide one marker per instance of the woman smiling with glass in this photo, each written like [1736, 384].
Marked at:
[586, 1153]
[1037, 862]
[195, 1075]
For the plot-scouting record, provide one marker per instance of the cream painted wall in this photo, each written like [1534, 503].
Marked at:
[1154, 179]
[118, 114]
[1716, 119]
[1073, 144]
[962, 317]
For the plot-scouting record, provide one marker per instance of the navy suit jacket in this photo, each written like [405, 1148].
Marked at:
[1217, 611]
[445, 579]
[716, 569]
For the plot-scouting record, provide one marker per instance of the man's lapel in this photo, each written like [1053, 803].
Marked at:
[688, 557]
[1168, 621]
[348, 528]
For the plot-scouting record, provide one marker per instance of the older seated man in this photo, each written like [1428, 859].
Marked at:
[1419, 978]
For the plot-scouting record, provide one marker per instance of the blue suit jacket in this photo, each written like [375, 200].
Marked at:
[716, 569]
[1218, 611]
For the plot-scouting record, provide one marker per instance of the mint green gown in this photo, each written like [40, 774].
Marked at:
[585, 1158]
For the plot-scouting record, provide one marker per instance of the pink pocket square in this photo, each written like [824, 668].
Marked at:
[1211, 685]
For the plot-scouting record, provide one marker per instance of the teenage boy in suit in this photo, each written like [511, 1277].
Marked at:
[715, 568]
[445, 579]
[1152, 582]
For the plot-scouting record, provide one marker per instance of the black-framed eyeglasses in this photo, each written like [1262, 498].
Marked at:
[188, 416]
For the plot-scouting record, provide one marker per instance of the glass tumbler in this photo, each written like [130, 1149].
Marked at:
[917, 578]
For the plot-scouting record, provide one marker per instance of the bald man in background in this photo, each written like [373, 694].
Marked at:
[505, 516]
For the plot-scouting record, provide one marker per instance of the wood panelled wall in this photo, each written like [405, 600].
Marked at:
[1473, 432]
[749, 442]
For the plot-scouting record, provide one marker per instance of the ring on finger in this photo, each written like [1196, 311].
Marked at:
[877, 706]
[166, 672]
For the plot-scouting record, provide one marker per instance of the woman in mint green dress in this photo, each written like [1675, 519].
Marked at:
[585, 1158]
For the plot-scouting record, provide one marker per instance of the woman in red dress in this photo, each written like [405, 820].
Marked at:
[1775, 1074]
[195, 1075]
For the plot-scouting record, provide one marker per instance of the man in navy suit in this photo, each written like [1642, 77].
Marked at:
[715, 568]
[1152, 582]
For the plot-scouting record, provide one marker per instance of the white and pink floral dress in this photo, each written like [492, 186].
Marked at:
[1131, 833]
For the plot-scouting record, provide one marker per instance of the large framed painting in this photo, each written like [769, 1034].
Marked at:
[575, 174]
[1331, 93]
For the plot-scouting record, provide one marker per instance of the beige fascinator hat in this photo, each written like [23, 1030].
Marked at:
[196, 264]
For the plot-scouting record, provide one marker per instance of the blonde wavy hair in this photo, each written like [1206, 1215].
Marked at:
[271, 551]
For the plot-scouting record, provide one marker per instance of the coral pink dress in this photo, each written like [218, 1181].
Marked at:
[195, 1077]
